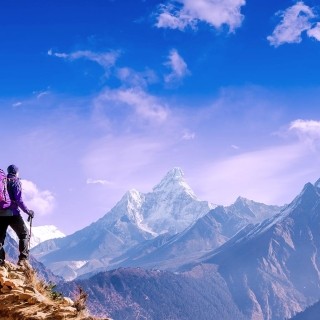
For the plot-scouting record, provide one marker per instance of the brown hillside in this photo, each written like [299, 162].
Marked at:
[23, 296]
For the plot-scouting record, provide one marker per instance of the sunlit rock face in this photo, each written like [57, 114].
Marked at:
[24, 296]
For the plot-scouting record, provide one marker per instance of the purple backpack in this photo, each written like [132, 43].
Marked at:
[4, 195]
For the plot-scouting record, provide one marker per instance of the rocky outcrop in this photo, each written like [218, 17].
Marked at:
[23, 296]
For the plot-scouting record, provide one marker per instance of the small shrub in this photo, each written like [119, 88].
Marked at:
[41, 286]
[80, 301]
[53, 294]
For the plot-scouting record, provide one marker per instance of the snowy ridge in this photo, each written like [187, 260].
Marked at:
[173, 206]
[134, 202]
[305, 195]
[174, 182]
[40, 234]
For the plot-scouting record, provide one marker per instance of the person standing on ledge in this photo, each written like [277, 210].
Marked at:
[14, 220]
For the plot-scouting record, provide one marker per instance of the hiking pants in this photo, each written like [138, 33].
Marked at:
[19, 227]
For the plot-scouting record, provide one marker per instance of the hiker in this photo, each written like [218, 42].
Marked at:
[13, 218]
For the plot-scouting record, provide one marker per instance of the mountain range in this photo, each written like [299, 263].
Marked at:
[272, 269]
[207, 233]
[137, 217]
[148, 230]
[261, 261]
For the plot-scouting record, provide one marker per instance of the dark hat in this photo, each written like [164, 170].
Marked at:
[13, 169]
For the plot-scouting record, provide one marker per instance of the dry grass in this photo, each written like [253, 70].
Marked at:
[80, 301]
[44, 288]
[32, 280]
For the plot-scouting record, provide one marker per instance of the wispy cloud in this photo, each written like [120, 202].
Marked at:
[187, 135]
[308, 131]
[104, 59]
[178, 66]
[124, 157]
[261, 175]
[315, 32]
[17, 104]
[42, 202]
[40, 94]
[169, 16]
[130, 77]
[98, 181]
[295, 20]
[143, 105]
[181, 14]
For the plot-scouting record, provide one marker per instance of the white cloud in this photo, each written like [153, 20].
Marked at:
[133, 78]
[308, 131]
[172, 18]
[17, 104]
[181, 14]
[98, 181]
[235, 147]
[42, 94]
[41, 202]
[315, 32]
[295, 20]
[145, 106]
[104, 59]
[178, 66]
[187, 135]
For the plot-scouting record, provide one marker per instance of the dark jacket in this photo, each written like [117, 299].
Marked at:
[15, 194]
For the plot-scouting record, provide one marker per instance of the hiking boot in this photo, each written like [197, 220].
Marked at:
[23, 262]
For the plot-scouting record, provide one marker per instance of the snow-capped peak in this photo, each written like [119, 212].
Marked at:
[134, 202]
[174, 182]
[134, 196]
[43, 233]
[40, 234]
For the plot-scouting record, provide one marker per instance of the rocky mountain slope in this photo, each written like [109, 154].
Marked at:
[207, 233]
[267, 271]
[159, 295]
[272, 268]
[23, 296]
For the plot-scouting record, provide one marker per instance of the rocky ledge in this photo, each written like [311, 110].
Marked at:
[23, 296]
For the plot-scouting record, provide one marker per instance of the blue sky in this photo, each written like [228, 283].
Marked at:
[99, 96]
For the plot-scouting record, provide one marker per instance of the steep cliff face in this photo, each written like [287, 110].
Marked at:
[23, 296]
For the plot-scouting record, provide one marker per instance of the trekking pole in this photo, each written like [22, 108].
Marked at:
[30, 219]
